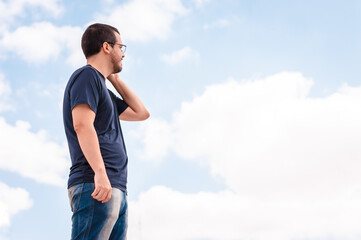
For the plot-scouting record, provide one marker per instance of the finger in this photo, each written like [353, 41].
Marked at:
[100, 196]
[96, 192]
[108, 196]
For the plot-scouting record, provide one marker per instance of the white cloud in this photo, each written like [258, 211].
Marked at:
[184, 216]
[5, 91]
[269, 130]
[228, 215]
[143, 20]
[220, 23]
[32, 155]
[16, 8]
[44, 41]
[156, 133]
[12, 201]
[181, 55]
[295, 157]
[200, 3]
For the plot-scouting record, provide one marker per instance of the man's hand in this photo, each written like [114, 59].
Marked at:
[103, 189]
[113, 77]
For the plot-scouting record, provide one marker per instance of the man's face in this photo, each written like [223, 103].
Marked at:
[117, 54]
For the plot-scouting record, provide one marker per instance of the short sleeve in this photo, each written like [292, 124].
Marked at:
[86, 89]
[120, 103]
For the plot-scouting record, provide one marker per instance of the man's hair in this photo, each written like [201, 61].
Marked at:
[94, 37]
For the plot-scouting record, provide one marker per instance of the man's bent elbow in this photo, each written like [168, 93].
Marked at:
[145, 115]
[131, 115]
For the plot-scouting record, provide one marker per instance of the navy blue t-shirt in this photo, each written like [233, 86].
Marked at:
[87, 86]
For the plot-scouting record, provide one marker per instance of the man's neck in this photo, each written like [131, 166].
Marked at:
[99, 65]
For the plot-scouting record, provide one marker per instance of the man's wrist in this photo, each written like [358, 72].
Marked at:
[116, 80]
[100, 171]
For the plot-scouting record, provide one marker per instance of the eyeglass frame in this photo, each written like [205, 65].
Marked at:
[121, 46]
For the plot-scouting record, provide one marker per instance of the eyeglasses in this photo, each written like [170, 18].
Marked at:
[122, 46]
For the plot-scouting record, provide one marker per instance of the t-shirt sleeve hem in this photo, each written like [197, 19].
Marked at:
[93, 108]
[122, 108]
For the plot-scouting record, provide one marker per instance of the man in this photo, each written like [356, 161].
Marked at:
[91, 113]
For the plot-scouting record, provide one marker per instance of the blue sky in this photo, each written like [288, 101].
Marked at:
[255, 122]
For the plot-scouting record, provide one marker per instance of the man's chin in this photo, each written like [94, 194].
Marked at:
[118, 69]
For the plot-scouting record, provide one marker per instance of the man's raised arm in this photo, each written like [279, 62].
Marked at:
[136, 110]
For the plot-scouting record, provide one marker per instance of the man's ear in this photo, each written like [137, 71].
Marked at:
[106, 47]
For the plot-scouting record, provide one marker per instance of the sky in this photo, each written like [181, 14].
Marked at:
[254, 131]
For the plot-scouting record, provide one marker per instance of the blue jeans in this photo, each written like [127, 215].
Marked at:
[95, 220]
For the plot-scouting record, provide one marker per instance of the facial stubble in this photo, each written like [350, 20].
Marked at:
[117, 67]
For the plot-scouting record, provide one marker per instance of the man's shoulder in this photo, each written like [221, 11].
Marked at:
[85, 71]
[84, 75]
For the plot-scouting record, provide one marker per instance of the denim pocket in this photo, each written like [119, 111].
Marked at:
[74, 194]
